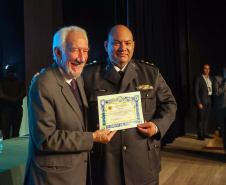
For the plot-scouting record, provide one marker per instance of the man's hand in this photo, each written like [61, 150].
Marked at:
[147, 128]
[103, 136]
[200, 106]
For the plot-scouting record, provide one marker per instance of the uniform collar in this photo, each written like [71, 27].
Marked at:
[110, 73]
[117, 68]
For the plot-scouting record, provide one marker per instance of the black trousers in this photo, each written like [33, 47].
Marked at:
[203, 118]
[11, 117]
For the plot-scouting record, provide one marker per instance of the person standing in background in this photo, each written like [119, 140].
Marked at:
[219, 89]
[12, 92]
[203, 96]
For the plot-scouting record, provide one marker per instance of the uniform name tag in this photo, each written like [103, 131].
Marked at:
[102, 90]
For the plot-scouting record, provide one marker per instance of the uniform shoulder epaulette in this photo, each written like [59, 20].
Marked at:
[94, 62]
[148, 63]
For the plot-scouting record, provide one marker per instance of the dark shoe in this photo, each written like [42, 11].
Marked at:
[201, 138]
[208, 136]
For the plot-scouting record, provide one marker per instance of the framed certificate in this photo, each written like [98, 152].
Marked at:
[120, 111]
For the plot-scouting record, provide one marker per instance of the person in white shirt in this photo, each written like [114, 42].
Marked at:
[203, 96]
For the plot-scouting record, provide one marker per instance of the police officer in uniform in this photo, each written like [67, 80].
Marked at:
[132, 157]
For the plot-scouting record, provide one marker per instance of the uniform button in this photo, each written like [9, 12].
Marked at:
[92, 152]
[124, 130]
[155, 146]
[85, 161]
[124, 147]
[146, 95]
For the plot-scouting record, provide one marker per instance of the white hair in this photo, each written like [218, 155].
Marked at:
[60, 37]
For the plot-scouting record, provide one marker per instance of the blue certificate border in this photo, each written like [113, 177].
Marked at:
[104, 102]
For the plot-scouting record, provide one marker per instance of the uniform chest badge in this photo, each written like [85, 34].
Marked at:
[144, 87]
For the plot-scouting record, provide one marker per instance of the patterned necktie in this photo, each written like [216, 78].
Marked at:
[76, 94]
[73, 84]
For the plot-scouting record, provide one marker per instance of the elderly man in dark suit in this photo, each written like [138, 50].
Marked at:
[133, 155]
[219, 89]
[59, 142]
[203, 96]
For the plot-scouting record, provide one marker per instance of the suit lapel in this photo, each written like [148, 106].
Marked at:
[204, 83]
[211, 79]
[67, 93]
[79, 81]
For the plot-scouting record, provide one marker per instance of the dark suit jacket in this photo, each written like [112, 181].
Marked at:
[219, 88]
[58, 144]
[140, 160]
[201, 91]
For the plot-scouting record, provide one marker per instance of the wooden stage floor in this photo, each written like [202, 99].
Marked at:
[188, 161]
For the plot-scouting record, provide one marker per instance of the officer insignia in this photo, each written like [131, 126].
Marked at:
[94, 62]
[148, 63]
[144, 87]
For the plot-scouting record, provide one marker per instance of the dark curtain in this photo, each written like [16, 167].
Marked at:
[1, 45]
[159, 29]
[41, 20]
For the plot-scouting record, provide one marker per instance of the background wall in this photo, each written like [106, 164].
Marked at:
[96, 17]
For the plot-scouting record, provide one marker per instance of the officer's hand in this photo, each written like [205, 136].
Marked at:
[147, 128]
[200, 106]
[103, 136]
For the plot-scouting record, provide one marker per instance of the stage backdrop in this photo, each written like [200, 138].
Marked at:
[178, 36]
